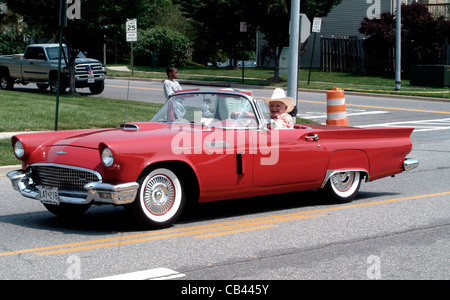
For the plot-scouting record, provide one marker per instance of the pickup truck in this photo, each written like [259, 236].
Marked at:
[39, 65]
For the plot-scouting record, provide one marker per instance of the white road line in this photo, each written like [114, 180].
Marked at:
[419, 126]
[348, 114]
[153, 274]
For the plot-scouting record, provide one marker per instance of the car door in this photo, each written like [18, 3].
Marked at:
[35, 65]
[285, 156]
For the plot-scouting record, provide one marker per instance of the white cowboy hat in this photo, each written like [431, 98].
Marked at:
[279, 95]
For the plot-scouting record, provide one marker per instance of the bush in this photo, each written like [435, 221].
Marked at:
[171, 47]
[11, 45]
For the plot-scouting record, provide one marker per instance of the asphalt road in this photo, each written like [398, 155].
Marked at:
[396, 228]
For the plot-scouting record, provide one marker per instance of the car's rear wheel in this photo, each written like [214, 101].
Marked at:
[342, 187]
[160, 199]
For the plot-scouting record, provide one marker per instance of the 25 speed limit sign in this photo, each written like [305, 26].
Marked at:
[131, 29]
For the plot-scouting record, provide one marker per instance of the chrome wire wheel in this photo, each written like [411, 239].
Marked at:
[343, 182]
[159, 195]
[343, 186]
[160, 199]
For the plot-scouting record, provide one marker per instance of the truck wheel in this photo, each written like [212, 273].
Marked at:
[54, 87]
[160, 199]
[6, 82]
[42, 86]
[97, 88]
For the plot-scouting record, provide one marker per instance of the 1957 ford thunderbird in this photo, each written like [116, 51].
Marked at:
[201, 146]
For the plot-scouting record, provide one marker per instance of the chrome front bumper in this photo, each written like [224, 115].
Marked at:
[96, 192]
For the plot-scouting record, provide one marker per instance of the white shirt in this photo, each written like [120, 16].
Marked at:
[170, 87]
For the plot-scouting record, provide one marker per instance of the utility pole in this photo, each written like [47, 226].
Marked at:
[62, 24]
[294, 42]
[398, 48]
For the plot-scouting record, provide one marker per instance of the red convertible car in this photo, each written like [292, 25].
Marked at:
[201, 146]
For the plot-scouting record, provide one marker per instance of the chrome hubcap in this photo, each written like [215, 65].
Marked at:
[159, 194]
[343, 181]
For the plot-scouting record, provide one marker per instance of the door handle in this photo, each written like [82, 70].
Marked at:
[312, 138]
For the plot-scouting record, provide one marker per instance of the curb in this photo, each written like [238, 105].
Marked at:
[6, 169]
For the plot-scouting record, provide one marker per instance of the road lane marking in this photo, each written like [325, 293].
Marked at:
[383, 107]
[349, 114]
[421, 125]
[196, 230]
[174, 235]
[153, 274]
[134, 87]
[202, 236]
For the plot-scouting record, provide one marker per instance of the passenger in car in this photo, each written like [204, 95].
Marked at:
[280, 106]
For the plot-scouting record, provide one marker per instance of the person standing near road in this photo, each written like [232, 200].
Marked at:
[170, 84]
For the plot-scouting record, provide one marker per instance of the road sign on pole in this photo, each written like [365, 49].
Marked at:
[131, 29]
[305, 28]
[317, 24]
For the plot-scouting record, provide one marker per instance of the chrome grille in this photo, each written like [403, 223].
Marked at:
[82, 68]
[64, 178]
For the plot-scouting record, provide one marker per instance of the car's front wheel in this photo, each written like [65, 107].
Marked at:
[160, 199]
[342, 187]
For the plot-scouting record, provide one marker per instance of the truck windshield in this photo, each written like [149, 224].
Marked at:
[53, 53]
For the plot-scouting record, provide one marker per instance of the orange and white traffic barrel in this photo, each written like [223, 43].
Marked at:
[336, 109]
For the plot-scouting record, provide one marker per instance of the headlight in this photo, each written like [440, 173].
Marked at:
[19, 150]
[107, 157]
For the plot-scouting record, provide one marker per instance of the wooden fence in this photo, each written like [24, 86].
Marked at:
[348, 54]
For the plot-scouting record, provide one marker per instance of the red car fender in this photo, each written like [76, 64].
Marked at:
[349, 160]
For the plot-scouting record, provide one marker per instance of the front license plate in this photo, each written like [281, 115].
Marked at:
[48, 195]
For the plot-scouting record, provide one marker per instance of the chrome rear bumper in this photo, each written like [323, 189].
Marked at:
[96, 192]
[410, 163]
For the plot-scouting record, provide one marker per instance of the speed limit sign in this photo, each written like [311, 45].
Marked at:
[131, 29]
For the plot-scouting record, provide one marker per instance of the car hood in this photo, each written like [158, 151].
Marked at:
[127, 132]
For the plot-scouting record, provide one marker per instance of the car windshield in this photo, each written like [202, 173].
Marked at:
[210, 109]
[53, 53]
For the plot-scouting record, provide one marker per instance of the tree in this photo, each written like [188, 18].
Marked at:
[216, 23]
[272, 18]
[84, 34]
[422, 35]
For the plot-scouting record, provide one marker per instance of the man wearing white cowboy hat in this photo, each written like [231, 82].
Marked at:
[280, 106]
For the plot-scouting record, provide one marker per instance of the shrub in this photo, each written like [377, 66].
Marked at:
[11, 45]
[423, 36]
